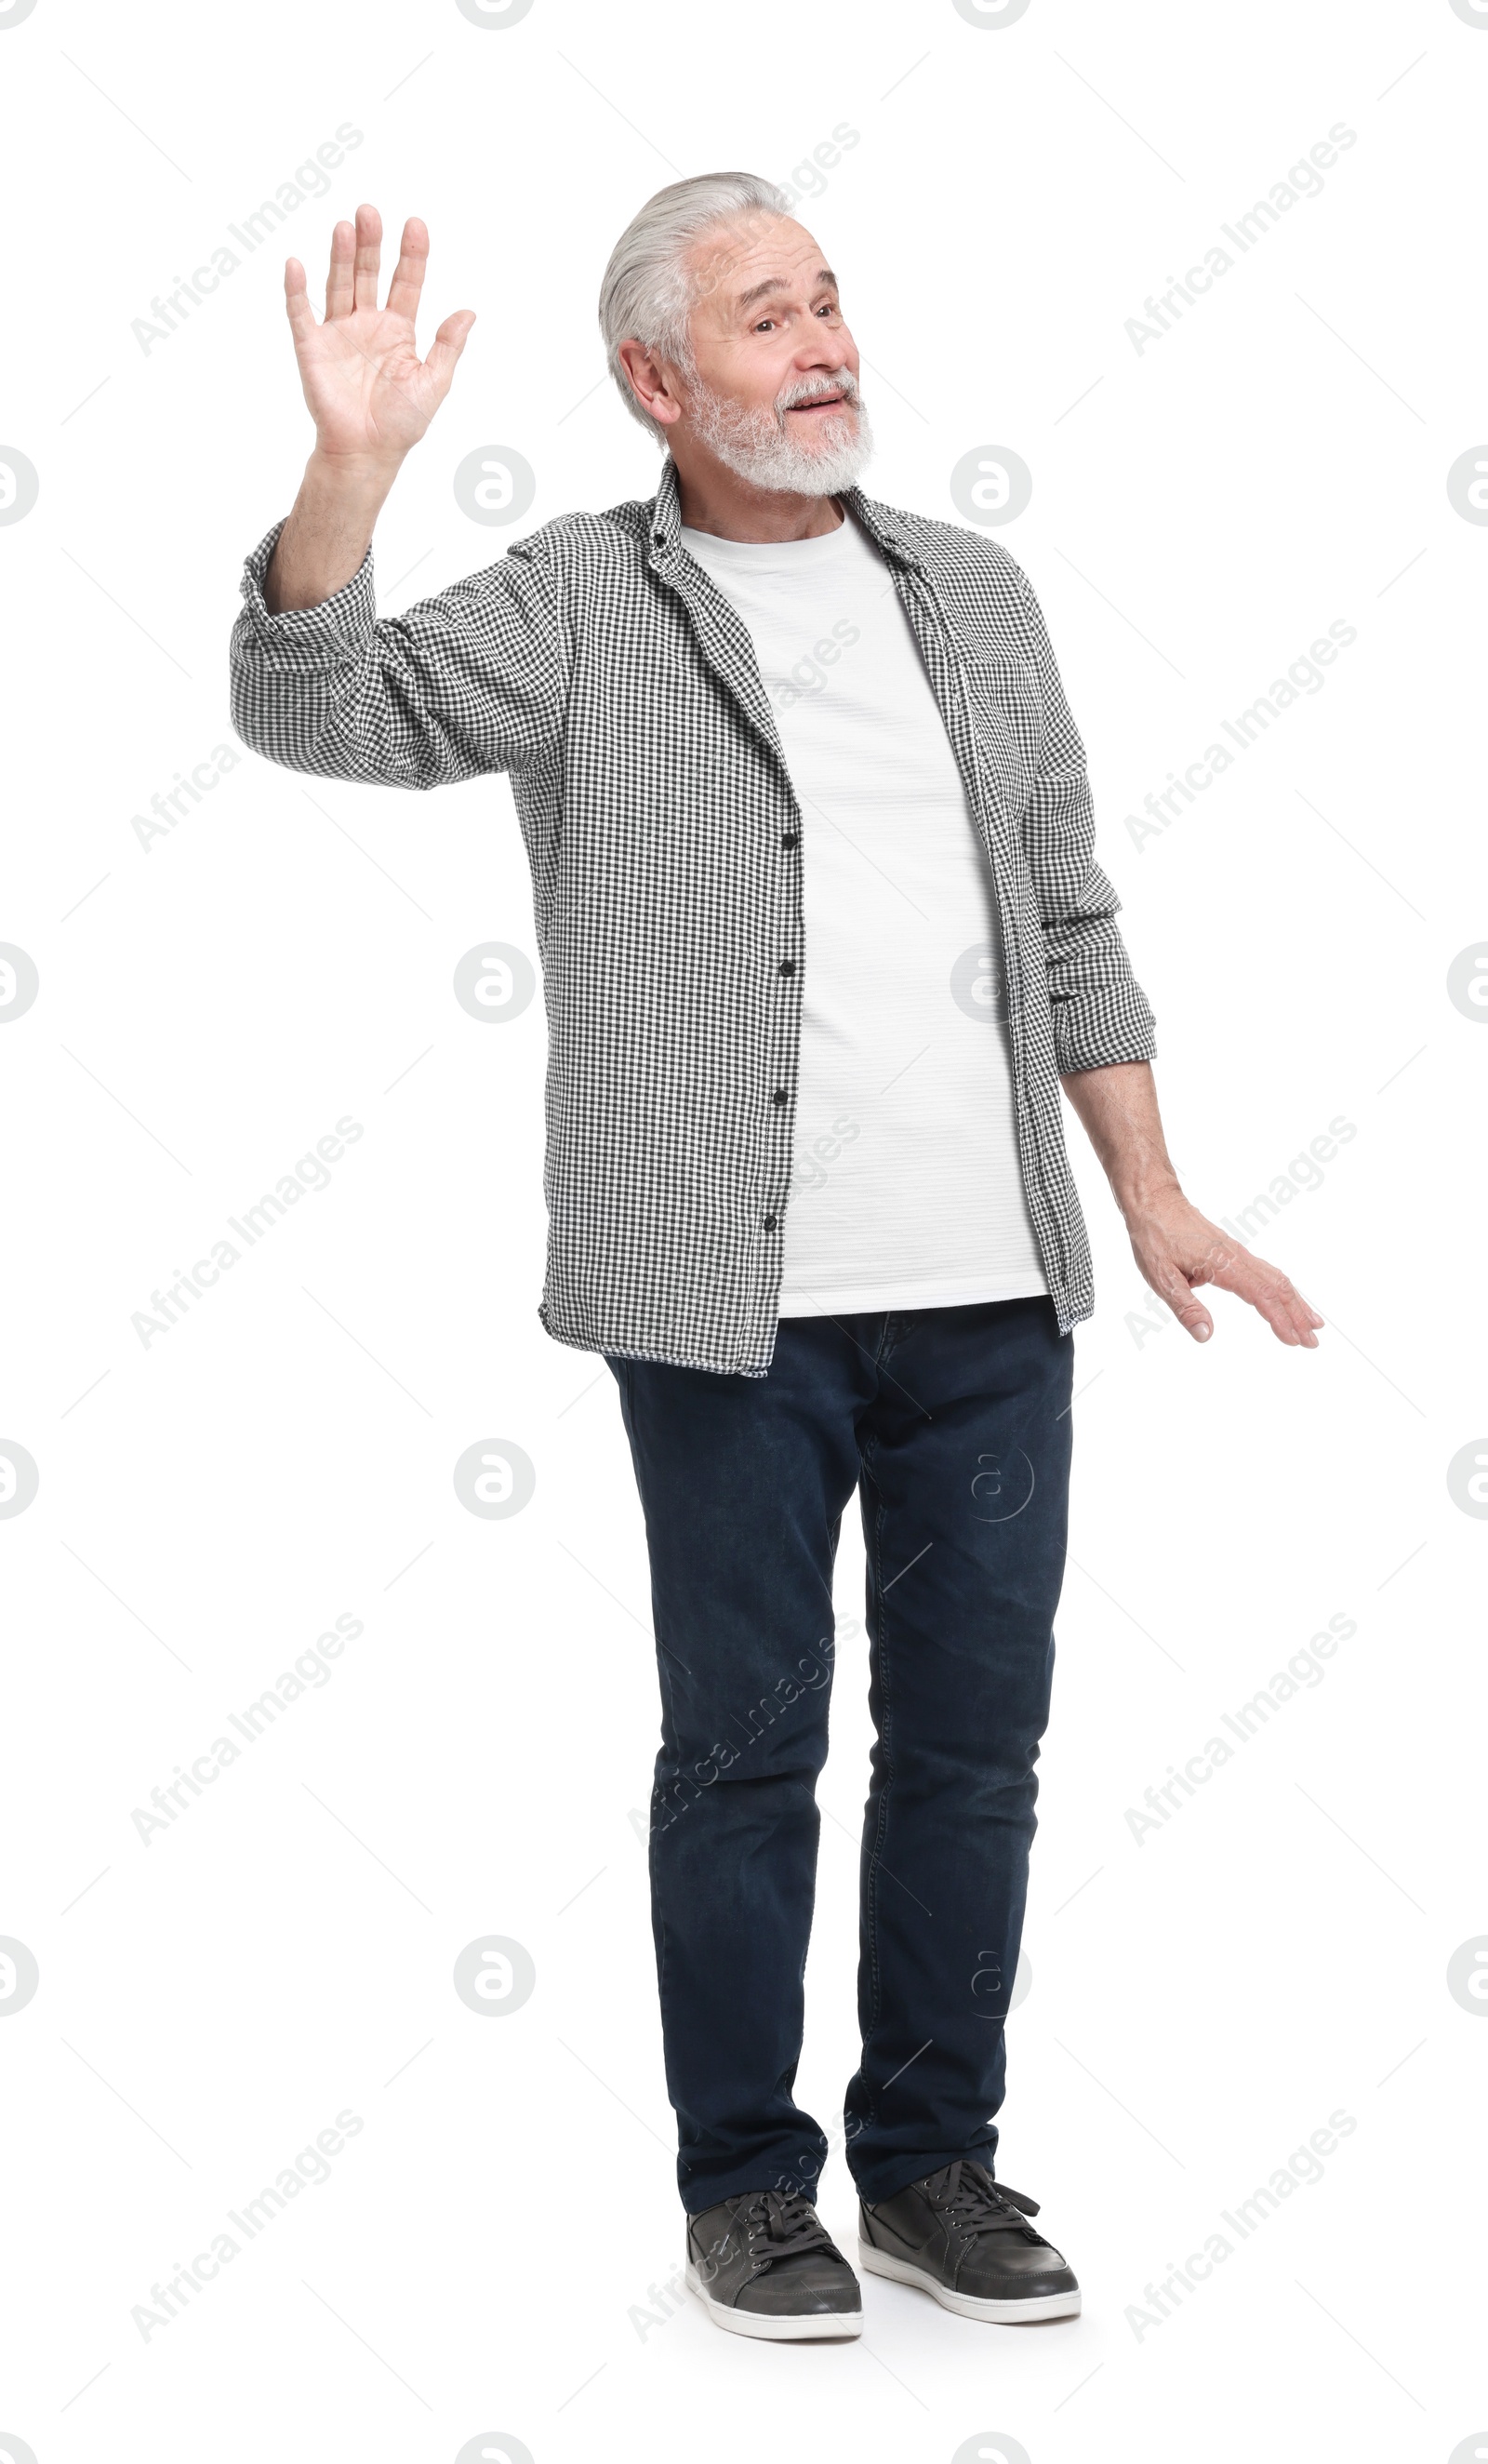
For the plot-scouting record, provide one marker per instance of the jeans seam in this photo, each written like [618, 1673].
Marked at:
[886, 1740]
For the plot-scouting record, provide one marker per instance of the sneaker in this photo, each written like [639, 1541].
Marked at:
[966, 2240]
[764, 2264]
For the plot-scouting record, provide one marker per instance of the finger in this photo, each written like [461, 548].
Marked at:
[369, 255]
[1306, 1322]
[1171, 1284]
[1304, 1319]
[341, 294]
[1272, 1293]
[403, 291]
[446, 348]
[296, 300]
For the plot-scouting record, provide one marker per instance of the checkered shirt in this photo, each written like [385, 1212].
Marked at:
[599, 666]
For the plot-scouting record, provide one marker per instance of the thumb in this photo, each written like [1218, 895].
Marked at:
[1172, 1285]
[446, 347]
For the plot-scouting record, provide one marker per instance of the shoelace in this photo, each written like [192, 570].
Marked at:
[780, 2224]
[971, 2200]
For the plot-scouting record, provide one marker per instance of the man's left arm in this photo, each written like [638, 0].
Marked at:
[1104, 1042]
[1175, 1246]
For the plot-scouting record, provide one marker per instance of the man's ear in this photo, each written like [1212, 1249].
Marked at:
[648, 382]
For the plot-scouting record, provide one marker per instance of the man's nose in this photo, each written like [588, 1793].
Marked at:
[823, 349]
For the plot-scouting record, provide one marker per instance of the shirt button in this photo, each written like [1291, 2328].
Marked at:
[770, 1220]
[779, 1096]
[787, 966]
[792, 839]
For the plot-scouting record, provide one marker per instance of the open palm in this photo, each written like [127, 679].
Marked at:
[368, 393]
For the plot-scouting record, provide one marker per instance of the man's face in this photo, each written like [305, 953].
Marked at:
[775, 396]
[768, 315]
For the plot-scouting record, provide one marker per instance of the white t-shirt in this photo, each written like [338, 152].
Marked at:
[906, 1191]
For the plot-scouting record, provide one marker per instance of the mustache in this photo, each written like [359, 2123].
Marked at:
[812, 388]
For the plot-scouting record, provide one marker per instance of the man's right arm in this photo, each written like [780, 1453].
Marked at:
[471, 680]
[329, 530]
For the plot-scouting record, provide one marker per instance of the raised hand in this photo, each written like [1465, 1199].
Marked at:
[371, 398]
[370, 395]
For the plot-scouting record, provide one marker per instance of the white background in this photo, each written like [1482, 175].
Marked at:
[481, 2259]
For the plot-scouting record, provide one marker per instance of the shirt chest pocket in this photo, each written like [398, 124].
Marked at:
[1007, 714]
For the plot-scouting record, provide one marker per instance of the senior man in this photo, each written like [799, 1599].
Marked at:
[821, 936]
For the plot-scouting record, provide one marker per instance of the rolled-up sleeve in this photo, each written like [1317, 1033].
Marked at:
[1100, 1013]
[468, 682]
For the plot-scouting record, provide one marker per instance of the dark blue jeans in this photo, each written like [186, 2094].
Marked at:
[953, 1426]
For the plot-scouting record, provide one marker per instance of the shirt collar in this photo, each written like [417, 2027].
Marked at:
[884, 527]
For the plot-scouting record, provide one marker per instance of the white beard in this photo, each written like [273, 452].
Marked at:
[757, 445]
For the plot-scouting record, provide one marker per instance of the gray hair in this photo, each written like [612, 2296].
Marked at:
[648, 293]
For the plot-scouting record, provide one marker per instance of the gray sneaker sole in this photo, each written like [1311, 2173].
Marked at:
[811, 2327]
[966, 2305]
